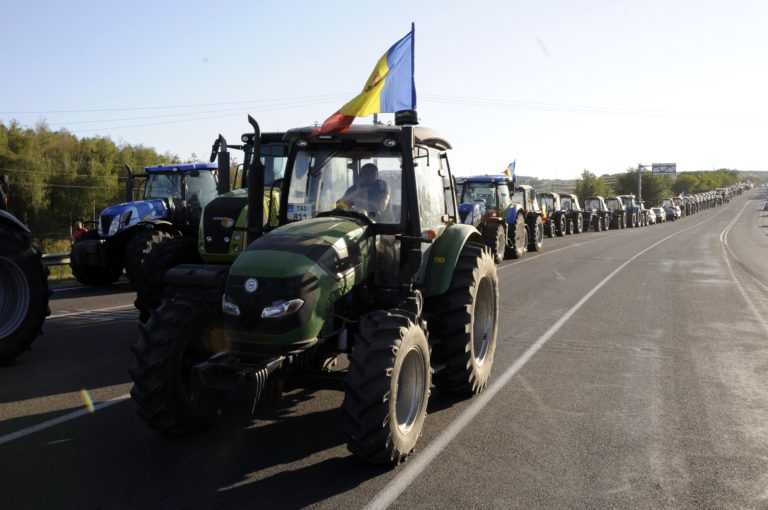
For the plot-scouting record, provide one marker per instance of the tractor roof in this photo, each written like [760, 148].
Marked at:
[372, 134]
[489, 178]
[186, 167]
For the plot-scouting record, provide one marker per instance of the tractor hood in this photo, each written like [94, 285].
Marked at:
[116, 218]
[315, 261]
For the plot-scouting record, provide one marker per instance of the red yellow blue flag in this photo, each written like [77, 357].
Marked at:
[510, 170]
[389, 89]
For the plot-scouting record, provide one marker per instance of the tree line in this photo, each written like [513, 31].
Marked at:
[655, 187]
[56, 178]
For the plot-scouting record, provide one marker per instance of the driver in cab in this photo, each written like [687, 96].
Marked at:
[370, 193]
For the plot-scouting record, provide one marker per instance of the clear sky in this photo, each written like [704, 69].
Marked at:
[559, 86]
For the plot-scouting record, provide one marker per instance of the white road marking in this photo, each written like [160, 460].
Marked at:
[728, 252]
[71, 314]
[61, 419]
[418, 464]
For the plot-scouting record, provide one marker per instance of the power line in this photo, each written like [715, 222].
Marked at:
[166, 107]
[28, 184]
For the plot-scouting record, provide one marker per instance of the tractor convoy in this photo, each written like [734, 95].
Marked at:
[352, 261]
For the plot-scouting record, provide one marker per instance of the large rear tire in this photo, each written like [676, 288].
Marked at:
[578, 224]
[23, 293]
[519, 244]
[463, 323]
[140, 245]
[182, 333]
[387, 387]
[495, 237]
[562, 227]
[536, 242]
[149, 284]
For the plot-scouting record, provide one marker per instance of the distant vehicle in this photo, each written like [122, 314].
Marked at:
[661, 215]
[765, 206]
[650, 217]
[618, 212]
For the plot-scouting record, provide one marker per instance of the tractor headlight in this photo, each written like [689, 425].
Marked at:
[282, 308]
[114, 225]
[228, 307]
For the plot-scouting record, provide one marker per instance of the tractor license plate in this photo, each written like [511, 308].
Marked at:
[299, 211]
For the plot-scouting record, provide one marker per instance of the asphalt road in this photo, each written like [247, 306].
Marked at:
[631, 372]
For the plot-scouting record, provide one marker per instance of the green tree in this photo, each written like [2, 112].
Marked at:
[590, 185]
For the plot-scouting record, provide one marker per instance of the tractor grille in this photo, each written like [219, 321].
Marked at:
[106, 220]
[270, 291]
[223, 207]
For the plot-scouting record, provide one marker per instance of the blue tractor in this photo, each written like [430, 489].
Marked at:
[507, 214]
[173, 199]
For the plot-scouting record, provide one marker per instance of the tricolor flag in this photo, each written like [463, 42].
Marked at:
[510, 171]
[389, 89]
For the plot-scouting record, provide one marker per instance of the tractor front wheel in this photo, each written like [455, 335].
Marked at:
[93, 274]
[387, 387]
[149, 275]
[183, 333]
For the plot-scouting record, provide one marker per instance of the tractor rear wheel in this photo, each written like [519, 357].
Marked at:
[536, 241]
[578, 224]
[463, 323]
[561, 226]
[387, 387]
[142, 242]
[519, 244]
[23, 293]
[170, 252]
[182, 333]
[495, 237]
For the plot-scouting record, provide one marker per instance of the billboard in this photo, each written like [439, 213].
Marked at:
[664, 169]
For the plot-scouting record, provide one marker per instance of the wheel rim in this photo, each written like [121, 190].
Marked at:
[14, 297]
[411, 387]
[482, 326]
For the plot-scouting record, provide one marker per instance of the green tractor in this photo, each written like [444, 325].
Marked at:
[370, 286]
[220, 237]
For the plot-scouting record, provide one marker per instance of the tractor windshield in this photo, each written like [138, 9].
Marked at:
[480, 192]
[201, 187]
[163, 186]
[592, 203]
[613, 204]
[366, 181]
[548, 201]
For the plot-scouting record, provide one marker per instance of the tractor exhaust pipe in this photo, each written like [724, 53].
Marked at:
[254, 169]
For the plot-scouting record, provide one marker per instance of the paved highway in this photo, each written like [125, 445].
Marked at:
[631, 372]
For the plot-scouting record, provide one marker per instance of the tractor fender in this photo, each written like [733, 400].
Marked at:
[8, 218]
[443, 256]
[510, 215]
